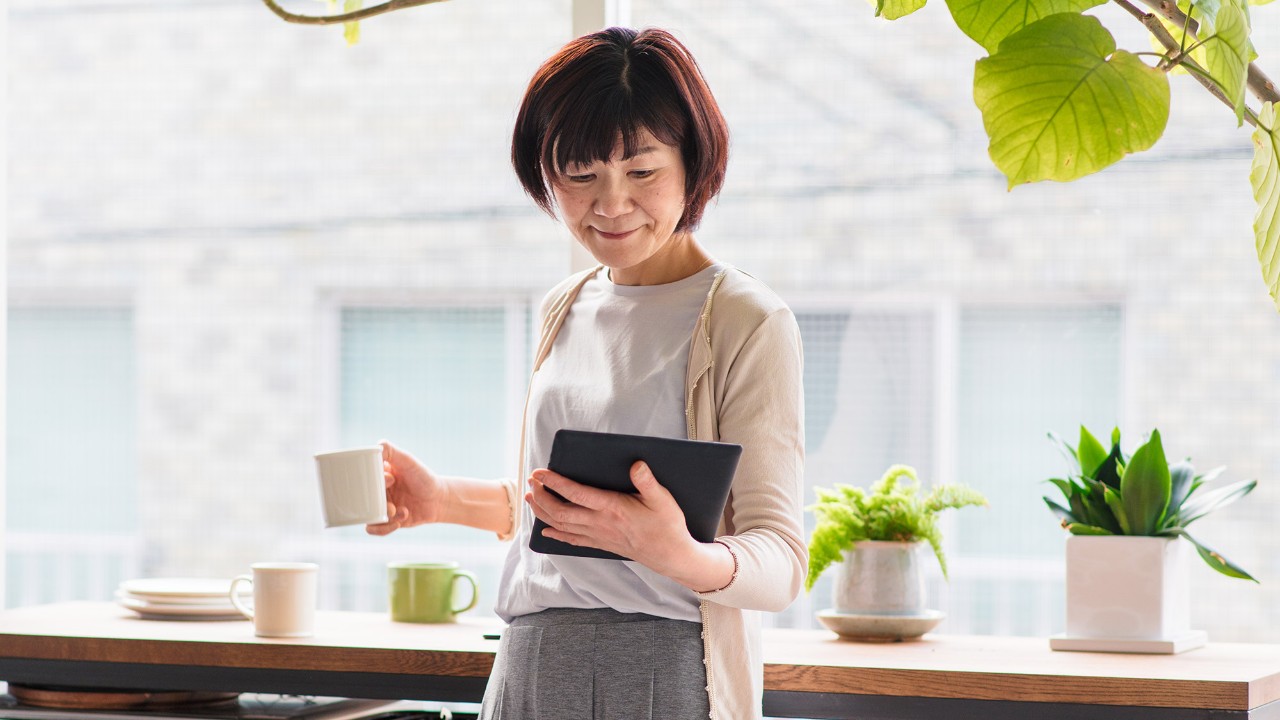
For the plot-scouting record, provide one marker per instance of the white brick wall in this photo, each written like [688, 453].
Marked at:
[230, 174]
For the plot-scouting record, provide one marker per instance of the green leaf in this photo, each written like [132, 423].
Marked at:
[1180, 478]
[1204, 9]
[1067, 451]
[894, 9]
[1092, 454]
[952, 497]
[1213, 558]
[1117, 509]
[1109, 472]
[1097, 511]
[1066, 486]
[1227, 54]
[1198, 507]
[1059, 101]
[1064, 514]
[1265, 179]
[1081, 529]
[351, 30]
[1115, 439]
[990, 21]
[1145, 487]
[1211, 475]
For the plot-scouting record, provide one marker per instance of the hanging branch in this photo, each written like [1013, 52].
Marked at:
[353, 16]
[1259, 84]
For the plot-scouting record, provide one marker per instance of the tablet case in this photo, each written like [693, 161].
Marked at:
[696, 473]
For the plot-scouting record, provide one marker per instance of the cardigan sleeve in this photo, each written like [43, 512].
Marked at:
[762, 409]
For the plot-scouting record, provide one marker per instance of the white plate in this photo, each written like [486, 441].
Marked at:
[167, 612]
[166, 602]
[179, 600]
[880, 628]
[175, 588]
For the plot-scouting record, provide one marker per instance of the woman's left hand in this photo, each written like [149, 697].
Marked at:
[647, 527]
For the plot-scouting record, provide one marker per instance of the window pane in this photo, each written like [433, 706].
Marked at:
[72, 452]
[868, 392]
[1023, 373]
[430, 380]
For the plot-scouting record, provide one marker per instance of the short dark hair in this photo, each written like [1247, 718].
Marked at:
[620, 81]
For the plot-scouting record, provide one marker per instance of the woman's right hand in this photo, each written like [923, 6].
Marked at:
[415, 495]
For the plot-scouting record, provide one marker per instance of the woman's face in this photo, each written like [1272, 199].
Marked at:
[625, 212]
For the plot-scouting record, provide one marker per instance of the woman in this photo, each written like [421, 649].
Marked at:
[619, 135]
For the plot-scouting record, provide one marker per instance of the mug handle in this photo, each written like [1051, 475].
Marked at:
[235, 598]
[475, 589]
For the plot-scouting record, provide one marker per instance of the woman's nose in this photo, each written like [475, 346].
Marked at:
[613, 200]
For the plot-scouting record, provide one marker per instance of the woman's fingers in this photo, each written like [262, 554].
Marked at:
[550, 509]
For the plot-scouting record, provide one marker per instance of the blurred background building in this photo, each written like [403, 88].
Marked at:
[235, 242]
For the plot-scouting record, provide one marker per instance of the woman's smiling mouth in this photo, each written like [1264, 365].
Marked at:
[613, 236]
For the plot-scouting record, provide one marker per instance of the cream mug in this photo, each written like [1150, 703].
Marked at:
[353, 490]
[284, 598]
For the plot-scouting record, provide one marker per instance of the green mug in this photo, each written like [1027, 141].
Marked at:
[423, 592]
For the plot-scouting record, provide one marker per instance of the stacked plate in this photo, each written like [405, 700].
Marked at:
[180, 598]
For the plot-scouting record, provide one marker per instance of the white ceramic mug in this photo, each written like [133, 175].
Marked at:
[352, 488]
[284, 598]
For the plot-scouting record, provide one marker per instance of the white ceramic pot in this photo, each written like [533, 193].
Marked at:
[1128, 594]
[880, 578]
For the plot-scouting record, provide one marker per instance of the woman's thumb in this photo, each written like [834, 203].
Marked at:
[642, 477]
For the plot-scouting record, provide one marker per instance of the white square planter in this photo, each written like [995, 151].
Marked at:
[1128, 594]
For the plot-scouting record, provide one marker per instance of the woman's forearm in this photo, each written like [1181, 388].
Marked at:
[707, 567]
[476, 503]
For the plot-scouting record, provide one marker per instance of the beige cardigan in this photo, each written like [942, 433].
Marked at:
[743, 385]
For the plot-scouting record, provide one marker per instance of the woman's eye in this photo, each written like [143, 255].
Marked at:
[586, 177]
[641, 173]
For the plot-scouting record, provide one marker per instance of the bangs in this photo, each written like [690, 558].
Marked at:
[588, 131]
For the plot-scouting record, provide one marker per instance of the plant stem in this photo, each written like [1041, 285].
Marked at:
[1260, 85]
[1161, 33]
[345, 17]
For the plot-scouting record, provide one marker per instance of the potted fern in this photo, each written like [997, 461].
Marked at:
[1128, 588]
[874, 536]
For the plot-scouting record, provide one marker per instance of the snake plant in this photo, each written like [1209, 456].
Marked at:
[1110, 493]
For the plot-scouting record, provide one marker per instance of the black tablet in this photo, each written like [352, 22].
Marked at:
[697, 474]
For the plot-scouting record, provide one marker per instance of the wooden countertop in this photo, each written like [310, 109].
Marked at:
[1225, 676]
[1222, 676]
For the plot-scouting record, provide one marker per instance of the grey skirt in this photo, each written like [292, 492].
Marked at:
[600, 664]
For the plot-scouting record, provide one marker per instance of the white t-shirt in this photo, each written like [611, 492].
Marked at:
[618, 365]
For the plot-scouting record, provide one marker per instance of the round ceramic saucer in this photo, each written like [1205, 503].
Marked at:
[880, 628]
[178, 590]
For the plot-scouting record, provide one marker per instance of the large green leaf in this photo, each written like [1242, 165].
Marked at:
[1201, 505]
[1205, 10]
[1145, 487]
[1265, 179]
[1091, 453]
[894, 9]
[1226, 53]
[990, 21]
[1181, 476]
[1059, 101]
[1211, 556]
